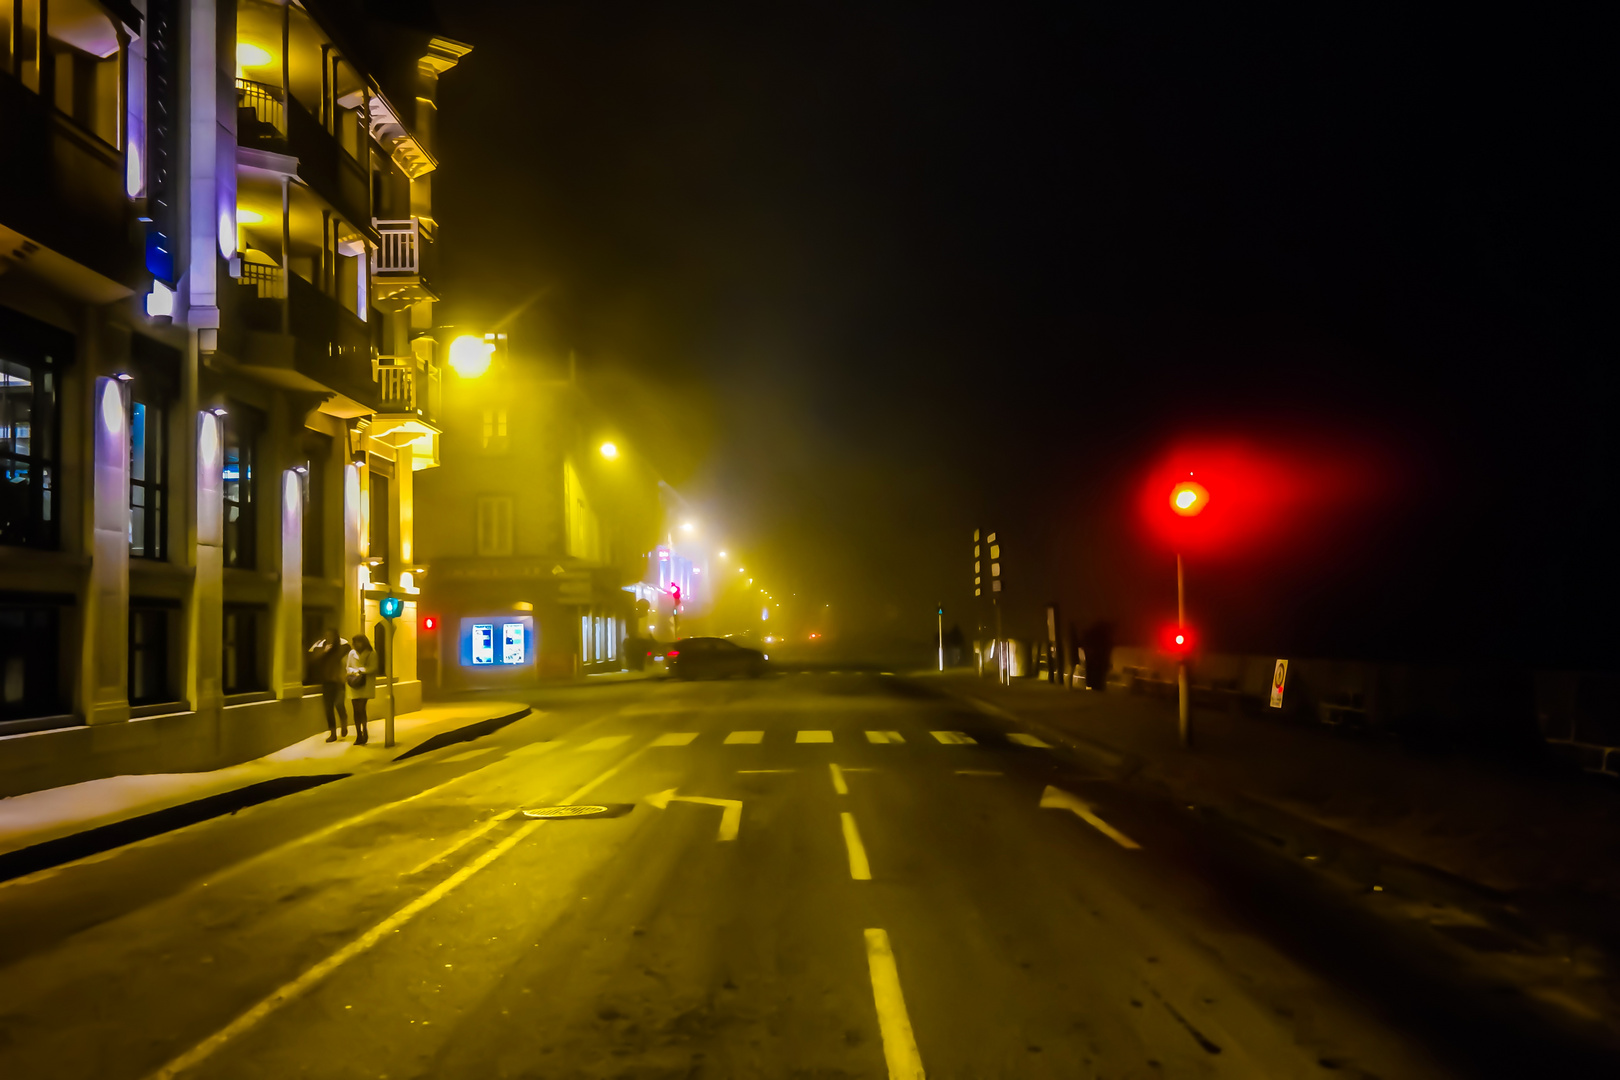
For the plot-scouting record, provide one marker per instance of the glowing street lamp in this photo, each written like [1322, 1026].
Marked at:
[609, 451]
[470, 355]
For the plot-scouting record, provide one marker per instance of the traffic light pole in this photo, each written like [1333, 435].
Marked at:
[1181, 663]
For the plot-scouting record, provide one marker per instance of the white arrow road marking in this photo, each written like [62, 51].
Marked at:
[730, 816]
[954, 738]
[1058, 799]
[899, 1041]
[1028, 740]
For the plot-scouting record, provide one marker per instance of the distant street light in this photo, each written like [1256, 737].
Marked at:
[469, 355]
[609, 451]
[687, 527]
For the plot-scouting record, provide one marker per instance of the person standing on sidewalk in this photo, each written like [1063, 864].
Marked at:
[329, 655]
[361, 675]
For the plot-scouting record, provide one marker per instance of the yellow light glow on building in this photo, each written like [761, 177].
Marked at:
[249, 55]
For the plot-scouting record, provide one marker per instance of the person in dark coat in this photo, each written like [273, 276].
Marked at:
[361, 668]
[328, 655]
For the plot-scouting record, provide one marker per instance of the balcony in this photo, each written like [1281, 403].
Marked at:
[267, 120]
[409, 392]
[401, 268]
[295, 336]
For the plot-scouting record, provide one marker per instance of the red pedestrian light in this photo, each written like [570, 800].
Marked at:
[430, 622]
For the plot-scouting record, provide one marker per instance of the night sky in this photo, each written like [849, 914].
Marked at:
[861, 278]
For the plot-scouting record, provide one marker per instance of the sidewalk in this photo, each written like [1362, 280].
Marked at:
[41, 816]
[1515, 863]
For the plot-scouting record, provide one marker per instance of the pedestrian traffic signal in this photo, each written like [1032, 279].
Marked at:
[675, 594]
[430, 622]
[1178, 641]
[390, 607]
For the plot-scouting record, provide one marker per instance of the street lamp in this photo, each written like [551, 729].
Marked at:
[470, 355]
[609, 451]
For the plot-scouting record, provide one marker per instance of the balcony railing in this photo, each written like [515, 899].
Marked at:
[399, 247]
[264, 103]
[396, 385]
[266, 280]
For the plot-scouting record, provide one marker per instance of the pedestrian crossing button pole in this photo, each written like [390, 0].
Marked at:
[390, 607]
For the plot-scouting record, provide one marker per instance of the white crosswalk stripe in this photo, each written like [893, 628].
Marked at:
[606, 742]
[954, 738]
[1027, 740]
[814, 736]
[744, 737]
[675, 738]
[884, 737]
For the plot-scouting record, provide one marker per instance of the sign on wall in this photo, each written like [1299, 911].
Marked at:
[497, 641]
[1278, 677]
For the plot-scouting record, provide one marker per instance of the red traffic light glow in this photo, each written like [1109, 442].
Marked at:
[430, 622]
[1234, 497]
[1177, 640]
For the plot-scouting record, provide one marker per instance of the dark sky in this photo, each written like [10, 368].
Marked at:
[863, 277]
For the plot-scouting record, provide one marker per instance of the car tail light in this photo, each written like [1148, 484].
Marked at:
[673, 653]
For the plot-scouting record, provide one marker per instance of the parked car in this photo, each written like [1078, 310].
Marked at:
[714, 658]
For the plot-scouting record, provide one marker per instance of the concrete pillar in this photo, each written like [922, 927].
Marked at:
[350, 620]
[287, 657]
[206, 625]
[106, 623]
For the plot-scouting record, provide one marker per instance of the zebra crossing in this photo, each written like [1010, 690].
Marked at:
[822, 736]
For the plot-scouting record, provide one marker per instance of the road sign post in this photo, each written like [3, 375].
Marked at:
[390, 608]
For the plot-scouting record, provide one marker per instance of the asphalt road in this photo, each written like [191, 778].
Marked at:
[873, 881]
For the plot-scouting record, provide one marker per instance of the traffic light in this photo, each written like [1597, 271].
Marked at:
[1178, 641]
[430, 622]
[675, 594]
[1188, 498]
[390, 607]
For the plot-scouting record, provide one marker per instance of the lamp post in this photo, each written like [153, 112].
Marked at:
[390, 608]
[941, 614]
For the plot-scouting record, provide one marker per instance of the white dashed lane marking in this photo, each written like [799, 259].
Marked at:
[675, 738]
[954, 738]
[883, 737]
[745, 737]
[814, 736]
[1028, 740]
[606, 742]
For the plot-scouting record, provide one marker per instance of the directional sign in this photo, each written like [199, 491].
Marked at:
[1278, 677]
[730, 816]
[1058, 799]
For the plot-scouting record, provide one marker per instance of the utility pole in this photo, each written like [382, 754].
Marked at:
[390, 607]
[941, 614]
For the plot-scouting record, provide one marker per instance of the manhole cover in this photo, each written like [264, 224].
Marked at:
[566, 811]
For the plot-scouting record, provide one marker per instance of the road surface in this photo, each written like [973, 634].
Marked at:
[815, 875]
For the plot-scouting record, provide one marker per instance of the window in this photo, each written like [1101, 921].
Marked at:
[494, 431]
[156, 372]
[381, 534]
[29, 646]
[148, 653]
[494, 525]
[31, 355]
[241, 667]
[83, 51]
[240, 518]
[148, 513]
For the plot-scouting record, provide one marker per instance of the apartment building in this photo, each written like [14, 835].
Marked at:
[218, 380]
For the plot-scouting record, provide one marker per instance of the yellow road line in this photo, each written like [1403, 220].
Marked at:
[859, 868]
[462, 841]
[899, 1041]
[838, 779]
